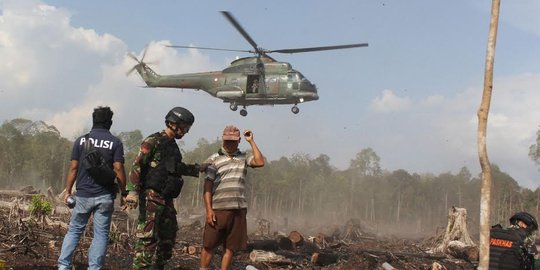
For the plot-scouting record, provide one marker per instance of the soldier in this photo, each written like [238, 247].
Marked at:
[513, 247]
[255, 86]
[156, 179]
[527, 222]
[224, 197]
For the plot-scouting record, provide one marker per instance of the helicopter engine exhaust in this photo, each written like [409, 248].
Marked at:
[229, 94]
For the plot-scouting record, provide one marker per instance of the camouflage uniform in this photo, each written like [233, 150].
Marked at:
[156, 230]
[528, 241]
[157, 175]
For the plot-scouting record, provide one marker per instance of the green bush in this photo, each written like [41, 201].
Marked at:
[40, 207]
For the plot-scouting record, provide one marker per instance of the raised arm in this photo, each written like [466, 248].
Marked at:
[258, 158]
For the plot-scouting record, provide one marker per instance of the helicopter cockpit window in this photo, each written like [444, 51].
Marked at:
[289, 77]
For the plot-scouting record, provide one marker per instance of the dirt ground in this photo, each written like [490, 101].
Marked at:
[26, 243]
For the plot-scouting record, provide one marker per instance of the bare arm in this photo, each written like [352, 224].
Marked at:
[72, 174]
[258, 159]
[210, 215]
[120, 175]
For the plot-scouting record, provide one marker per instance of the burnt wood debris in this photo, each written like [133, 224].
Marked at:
[30, 241]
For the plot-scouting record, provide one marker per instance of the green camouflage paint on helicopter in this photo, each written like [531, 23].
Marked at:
[257, 80]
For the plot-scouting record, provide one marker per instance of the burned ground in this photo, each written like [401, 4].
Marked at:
[30, 243]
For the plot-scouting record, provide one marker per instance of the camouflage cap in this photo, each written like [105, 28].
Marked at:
[231, 133]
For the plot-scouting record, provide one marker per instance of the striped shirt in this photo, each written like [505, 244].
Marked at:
[230, 180]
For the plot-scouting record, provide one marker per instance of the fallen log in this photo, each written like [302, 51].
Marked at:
[324, 258]
[308, 248]
[291, 255]
[461, 251]
[285, 243]
[194, 250]
[260, 256]
[296, 238]
[402, 254]
[267, 245]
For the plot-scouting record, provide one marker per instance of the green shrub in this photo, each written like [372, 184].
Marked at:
[40, 207]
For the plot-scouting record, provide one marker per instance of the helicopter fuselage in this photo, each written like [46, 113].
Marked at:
[258, 80]
[247, 81]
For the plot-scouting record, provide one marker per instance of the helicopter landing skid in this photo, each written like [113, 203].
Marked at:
[243, 112]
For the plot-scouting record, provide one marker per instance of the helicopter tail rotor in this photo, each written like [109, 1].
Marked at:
[140, 63]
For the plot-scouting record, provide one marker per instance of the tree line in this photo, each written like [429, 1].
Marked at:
[297, 186]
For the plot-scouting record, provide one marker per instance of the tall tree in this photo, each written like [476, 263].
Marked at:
[483, 112]
[366, 162]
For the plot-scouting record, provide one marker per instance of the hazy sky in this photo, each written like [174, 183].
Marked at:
[412, 95]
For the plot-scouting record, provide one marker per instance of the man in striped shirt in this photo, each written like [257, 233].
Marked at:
[224, 196]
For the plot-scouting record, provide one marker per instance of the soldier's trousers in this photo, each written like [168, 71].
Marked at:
[156, 231]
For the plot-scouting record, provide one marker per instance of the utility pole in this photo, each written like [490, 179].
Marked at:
[483, 112]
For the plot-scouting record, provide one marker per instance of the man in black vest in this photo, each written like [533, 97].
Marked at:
[93, 198]
[513, 248]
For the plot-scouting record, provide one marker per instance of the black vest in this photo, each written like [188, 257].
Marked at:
[165, 177]
[507, 250]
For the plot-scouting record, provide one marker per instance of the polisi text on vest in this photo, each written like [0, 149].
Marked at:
[99, 143]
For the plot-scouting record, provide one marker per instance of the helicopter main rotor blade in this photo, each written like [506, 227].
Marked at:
[133, 57]
[130, 71]
[144, 53]
[240, 29]
[208, 48]
[324, 48]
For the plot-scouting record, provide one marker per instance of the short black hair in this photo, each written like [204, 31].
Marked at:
[102, 117]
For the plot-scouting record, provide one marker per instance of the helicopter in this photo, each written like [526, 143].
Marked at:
[254, 80]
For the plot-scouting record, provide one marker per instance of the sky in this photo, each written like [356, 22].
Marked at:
[411, 96]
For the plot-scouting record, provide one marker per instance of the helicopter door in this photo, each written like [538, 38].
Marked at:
[252, 86]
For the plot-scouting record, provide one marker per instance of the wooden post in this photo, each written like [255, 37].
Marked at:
[483, 112]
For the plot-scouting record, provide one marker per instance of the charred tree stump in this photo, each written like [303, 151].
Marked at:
[456, 240]
[352, 231]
